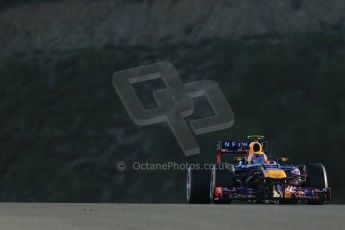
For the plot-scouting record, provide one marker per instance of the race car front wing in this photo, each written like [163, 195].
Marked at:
[291, 192]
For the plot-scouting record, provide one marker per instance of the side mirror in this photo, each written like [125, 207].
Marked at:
[282, 159]
[238, 159]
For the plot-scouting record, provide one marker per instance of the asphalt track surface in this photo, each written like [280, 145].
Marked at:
[19, 216]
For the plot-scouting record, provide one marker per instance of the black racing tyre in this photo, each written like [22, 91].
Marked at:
[316, 178]
[198, 186]
[222, 175]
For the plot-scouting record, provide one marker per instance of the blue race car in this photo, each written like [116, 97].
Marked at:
[255, 178]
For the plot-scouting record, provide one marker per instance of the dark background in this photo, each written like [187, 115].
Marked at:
[63, 128]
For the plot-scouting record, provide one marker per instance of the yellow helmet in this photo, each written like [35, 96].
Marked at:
[255, 147]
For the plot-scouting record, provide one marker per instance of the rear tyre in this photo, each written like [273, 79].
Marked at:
[198, 186]
[317, 178]
[223, 175]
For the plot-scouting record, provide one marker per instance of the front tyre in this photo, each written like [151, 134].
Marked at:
[198, 186]
[316, 178]
[222, 176]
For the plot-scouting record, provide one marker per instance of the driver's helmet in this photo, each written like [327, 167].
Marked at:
[255, 147]
[256, 155]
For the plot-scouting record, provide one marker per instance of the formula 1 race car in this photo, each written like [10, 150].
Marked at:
[256, 179]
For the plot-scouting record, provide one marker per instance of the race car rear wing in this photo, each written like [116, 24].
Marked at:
[235, 148]
[231, 148]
